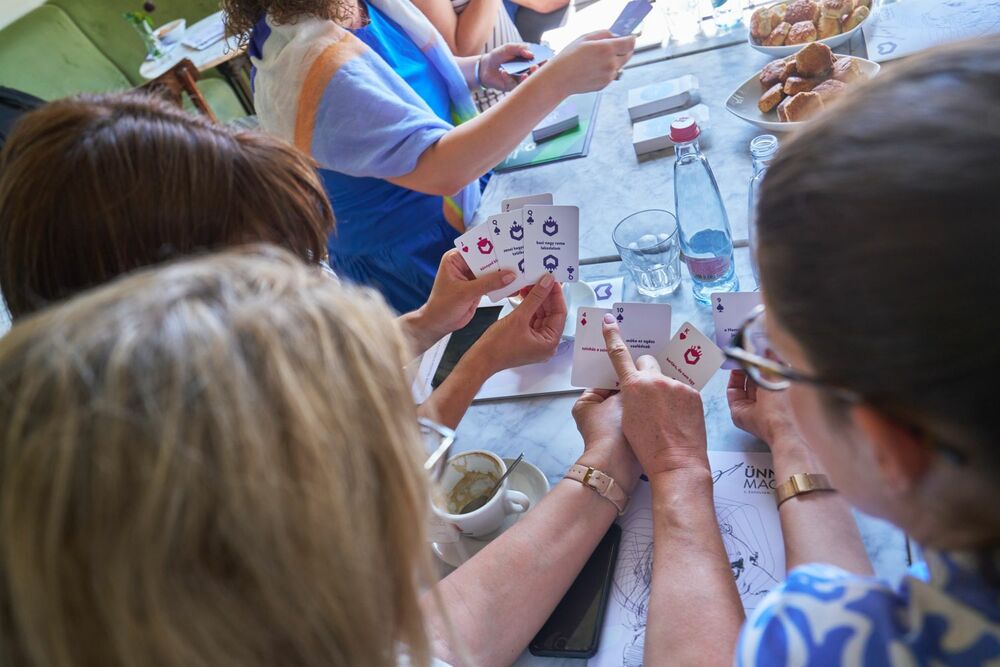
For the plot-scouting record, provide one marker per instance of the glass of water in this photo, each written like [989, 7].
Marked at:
[648, 244]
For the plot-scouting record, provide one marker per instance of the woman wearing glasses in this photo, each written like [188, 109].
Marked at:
[178, 488]
[872, 375]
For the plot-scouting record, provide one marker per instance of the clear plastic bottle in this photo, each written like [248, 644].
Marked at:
[727, 14]
[762, 149]
[706, 239]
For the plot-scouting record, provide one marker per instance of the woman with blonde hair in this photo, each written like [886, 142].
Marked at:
[218, 462]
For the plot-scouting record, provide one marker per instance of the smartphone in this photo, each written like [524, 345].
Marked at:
[574, 628]
[463, 339]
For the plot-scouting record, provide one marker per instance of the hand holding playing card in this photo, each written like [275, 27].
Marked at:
[764, 414]
[662, 418]
[531, 333]
[490, 73]
[454, 297]
[598, 416]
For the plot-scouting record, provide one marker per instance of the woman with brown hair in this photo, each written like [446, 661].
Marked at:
[178, 488]
[877, 249]
[98, 185]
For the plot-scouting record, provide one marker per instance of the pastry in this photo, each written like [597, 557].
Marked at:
[829, 89]
[770, 99]
[796, 84]
[802, 10]
[834, 9]
[813, 60]
[856, 17]
[863, 3]
[847, 70]
[777, 71]
[827, 27]
[761, 24]
[801, 33]
[802, 106]
[778, 35]
[782, 114]
[778, 12]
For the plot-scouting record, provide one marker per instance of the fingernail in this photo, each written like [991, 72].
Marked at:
[546, 280]
[609, 318]
[508, 278]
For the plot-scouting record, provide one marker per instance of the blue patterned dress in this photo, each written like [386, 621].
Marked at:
[823, 615]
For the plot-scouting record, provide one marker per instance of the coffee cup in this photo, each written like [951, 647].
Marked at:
[471, 475]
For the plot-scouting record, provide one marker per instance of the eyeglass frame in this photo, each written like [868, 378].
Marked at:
[434, 464]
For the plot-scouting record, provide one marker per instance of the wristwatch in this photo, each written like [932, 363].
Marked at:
[802, 482]
[600, 482]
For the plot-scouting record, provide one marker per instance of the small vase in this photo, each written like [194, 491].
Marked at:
[142, 25]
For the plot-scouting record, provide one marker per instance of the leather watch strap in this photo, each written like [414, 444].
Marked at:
[801, 483]
[600, 482]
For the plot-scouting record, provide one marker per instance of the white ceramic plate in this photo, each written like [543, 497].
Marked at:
[743, 102]
[832, 42]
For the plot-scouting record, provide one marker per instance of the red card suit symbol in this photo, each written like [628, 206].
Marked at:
[551, 227]
[465, 248]
[550, 262]
[692, 355]
[583, 320]
[485, 246]
[516, 232]
[683, 335]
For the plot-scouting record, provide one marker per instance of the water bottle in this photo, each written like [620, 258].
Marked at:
[727, 14]
[706, 240]
[762, 149]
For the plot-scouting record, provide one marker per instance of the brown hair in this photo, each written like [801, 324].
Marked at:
[878, 228]
[215, 462]
[242, 15]
[97, 185]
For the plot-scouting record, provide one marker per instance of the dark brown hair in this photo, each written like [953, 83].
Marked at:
[94, 186]
[879, 232]
[242, 15]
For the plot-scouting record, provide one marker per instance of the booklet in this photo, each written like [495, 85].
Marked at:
[570, 144]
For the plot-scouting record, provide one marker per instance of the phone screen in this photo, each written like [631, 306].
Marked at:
[574, 628]
[463, 339]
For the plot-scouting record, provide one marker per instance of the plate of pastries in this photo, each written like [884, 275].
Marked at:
[791, 90]
[783, 28]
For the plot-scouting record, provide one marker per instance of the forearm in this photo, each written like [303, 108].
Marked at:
[474, 26]
[817, 527]
[421, 332]
[473, 148]
[543, 6]
[695, 614]
[450, 401]
[493, 614]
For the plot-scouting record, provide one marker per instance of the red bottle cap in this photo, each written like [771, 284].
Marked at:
[684, 129]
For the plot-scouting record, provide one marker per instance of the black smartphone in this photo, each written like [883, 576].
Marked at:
[574, 628]
[463, 339]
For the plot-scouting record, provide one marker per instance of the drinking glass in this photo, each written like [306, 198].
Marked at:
[648, 244]
[683, 20]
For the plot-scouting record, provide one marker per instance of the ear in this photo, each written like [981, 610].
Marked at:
[902, 454]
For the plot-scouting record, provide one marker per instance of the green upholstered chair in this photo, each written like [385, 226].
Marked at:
[69, 46]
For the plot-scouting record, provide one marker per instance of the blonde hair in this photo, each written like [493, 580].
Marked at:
[216, 462]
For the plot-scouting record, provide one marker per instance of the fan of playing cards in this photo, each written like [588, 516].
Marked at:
[531, 237]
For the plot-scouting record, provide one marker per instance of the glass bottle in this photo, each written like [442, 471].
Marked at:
[762, 150]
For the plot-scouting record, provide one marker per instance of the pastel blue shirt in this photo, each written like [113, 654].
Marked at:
[822, 615]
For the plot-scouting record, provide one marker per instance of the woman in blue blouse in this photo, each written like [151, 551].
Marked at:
[371, 90]
[878, 228]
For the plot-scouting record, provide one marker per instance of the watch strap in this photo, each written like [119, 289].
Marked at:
[602, 483]
[800, 483]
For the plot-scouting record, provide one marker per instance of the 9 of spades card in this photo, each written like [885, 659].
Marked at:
[730, 310]
[552, 242]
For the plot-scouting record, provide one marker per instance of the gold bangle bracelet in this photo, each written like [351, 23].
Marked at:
[801, 483]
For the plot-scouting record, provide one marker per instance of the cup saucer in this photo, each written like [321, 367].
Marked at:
[525, 478]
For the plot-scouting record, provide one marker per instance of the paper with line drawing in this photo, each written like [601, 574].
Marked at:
[751, 533]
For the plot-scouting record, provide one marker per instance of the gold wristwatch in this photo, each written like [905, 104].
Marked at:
[802, 482]
[600, 482]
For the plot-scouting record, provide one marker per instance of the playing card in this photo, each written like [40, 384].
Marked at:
[552, 242]
[645, 327]
[592, 367]
[630, 18]
[691, 357]
[541, 54]
[518, 202]
[477, 249]
[507, 234]
[730, 310]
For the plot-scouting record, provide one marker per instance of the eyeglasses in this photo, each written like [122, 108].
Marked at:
[438, 441]
[752, 350]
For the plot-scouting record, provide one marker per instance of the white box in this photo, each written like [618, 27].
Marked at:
[662, 96]
[654, 134]
[563, 117]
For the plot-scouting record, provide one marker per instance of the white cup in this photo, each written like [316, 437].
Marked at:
[468, 476]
